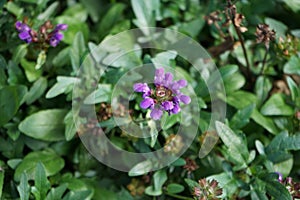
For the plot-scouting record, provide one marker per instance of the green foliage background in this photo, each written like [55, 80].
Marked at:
[41, 156]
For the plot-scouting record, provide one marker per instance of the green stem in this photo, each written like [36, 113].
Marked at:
[178, 196]
[264, 62]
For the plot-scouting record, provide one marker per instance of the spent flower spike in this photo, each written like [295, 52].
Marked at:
[166, 96]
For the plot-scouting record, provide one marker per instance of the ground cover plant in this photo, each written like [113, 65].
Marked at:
[160, 99]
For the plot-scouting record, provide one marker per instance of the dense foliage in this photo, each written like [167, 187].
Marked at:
[254, 150]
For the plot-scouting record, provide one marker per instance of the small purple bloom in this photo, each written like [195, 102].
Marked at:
[156, 113]
[147, 102]
[167, 105]
[165, 97]
[56, 35]
[24, 31]
[185, 99]
[61, 27]
[280, 177]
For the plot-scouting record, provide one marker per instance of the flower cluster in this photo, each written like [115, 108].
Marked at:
[46, 35]
[207, 190]
[165, 97]
[291, 186]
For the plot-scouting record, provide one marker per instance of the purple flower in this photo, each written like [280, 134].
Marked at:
[56, 35]
[24, 31]
[156, 113]
[166, 95]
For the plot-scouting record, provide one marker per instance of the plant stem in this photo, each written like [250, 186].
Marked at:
[243, 47]
[264, 62]
[179, 196]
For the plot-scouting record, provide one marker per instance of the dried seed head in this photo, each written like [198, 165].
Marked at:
[173, 144]
[213, 17]
[264, 34]
[190, 165]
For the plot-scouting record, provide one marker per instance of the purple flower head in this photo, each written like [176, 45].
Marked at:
[24, 31]
[166, 95]
[56, 35]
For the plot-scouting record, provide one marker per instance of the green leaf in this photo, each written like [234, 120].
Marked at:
[23, 187]
[175, 188]
[64, 84]
[48, 12]
[36, 91]
[145, 13]
[52, 162]
[77, 12]
[179, 162]
[292, 66]
[14, 9]
[293, 4]
[159, 178]
[278, 26]
[70, 126]
[61, 59]
[45, 125]
[31, 73]
[77, 195]
[19, 53]
[77, 51]
[242, 117]
[263, 86]
[265, 122]
[163, 58]
[101, 94]
[191, 183]
[237, 146]
[1, 177]
[41, 183]
[11, 98]
[276, 189]
[294, 88]
[57, 193]
[241, 99]
[276, 106]
[141, 168]
[152, 192]
[112, 16]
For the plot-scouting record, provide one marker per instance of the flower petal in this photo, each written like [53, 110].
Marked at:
[176, 109]
[167, 105]
[156, 113]
[141, 87]
[61, 27]
[146, 103]
[24, 35]
[185, 99]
